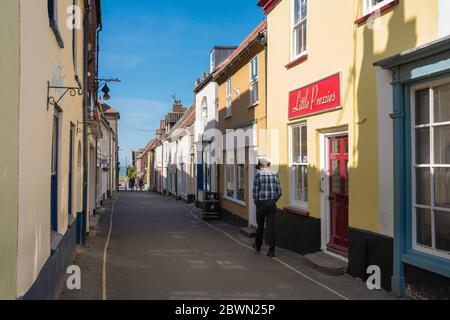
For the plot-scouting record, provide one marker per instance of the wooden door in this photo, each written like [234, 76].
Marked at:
[338, 178]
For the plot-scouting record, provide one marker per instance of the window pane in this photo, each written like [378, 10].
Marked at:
[442, 187]
[423, 186]
[442, 103]
[335, 179]
[304, 149]
[304, 33]
[254, 93]
[301, 183]
[442, 145]
[297, 11]
[296, 156]
[442, 220]
[230, 180]
[423, 222]
[335, 146]
[423, 107]
[304, 8]
[241, 183]
[423, 146]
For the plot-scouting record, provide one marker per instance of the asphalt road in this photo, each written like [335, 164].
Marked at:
[159, 250]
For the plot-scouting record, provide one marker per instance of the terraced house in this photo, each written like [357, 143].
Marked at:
[241, 115]
[46, 97]
[363, 163]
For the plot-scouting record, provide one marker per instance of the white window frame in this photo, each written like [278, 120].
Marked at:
[432, 125]
[369, 7]
[235, 165]
[293, 202]
[229, 98]
[254, 65]
[294, 26]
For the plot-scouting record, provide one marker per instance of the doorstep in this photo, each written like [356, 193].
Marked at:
[326, 264]
[248, 232]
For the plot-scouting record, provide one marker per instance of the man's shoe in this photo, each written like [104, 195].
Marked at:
[258, 250]
[271, 254]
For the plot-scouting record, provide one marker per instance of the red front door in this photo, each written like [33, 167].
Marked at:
[338, 175]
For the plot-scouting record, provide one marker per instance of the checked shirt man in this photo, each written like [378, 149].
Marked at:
[266, 193]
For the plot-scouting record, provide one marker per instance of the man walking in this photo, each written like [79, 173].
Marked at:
[266, 193]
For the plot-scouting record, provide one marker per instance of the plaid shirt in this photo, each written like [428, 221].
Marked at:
[266, 186]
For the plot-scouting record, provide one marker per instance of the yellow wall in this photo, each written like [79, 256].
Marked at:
[41, 58]
[336, 44]
[241, 114]
[9, 144]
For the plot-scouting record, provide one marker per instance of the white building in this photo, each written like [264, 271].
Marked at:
[206, 126]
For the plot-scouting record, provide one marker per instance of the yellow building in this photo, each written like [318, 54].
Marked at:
[41, 159]
[331, 106]
[9, 144]
[241, 113]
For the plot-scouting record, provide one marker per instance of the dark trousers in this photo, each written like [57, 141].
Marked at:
[266, 212]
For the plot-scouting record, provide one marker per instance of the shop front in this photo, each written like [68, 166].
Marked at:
[309, 107]
[421, 117]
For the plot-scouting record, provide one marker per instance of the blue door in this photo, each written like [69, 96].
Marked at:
[71, 153]
[54, 173]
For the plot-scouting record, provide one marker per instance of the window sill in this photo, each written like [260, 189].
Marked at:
[428, 262]
[299, 211]
[59, 39]
[238, 202]
[254, 105]
[297, 61]
[386, 7]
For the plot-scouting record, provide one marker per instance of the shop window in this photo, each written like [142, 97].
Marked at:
[229, 98]
[254, 94]
[431, 145]
[299, 28]
[235, 178]
[299, 166]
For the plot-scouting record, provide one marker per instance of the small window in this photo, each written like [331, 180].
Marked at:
[229, 98]
[254, 95]
[299, 166]
[299, 29]
[431, 171]
[373, 5]
[52, 6]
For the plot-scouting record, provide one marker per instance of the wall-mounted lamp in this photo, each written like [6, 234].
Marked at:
[105, 91]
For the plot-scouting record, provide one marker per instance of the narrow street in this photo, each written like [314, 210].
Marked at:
[159, 249]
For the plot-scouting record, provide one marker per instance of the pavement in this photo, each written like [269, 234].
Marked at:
[159, 249]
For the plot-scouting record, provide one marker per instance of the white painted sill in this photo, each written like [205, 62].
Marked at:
[240, 203]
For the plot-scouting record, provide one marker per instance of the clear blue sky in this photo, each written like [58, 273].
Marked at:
[159, 48]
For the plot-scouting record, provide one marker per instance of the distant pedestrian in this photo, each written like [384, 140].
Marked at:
[132, 183]
[141, 184]
[266, 193]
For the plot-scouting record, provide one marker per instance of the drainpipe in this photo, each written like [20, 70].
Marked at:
[85, 140]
